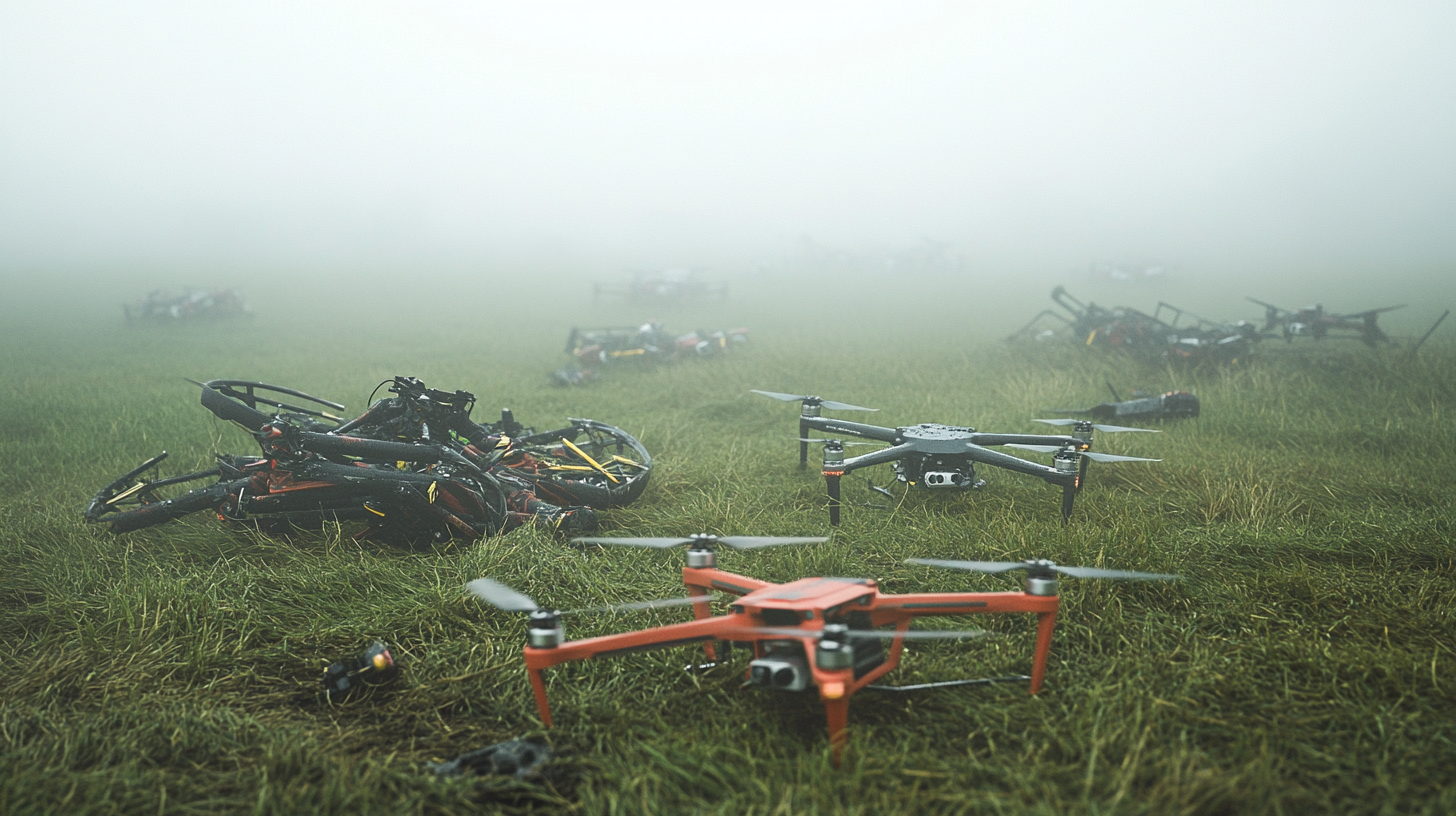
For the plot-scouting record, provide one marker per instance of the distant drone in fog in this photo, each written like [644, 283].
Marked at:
[649, 342]
[670, 286]
[943, 457]
[1315, 322]
[1168, 405]
[199, 306]
[1150, 337]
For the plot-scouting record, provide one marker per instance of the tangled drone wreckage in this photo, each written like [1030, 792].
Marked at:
[413, 467]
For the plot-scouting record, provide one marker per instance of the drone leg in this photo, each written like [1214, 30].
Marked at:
[1046, 622]
[538, 685]
[803, 446]
[702, 610]
[837, 714]
[832, 482]
[1082, 472]
[1069, 494]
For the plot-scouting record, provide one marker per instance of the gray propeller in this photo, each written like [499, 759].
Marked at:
[1043, 567]
[1096, 457]
[1104, 428]
[872, 634]
[830, 404]
[509, 600]
[736, 542]
[845, 444]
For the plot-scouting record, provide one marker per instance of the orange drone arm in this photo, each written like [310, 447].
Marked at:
[900, 609]
[659, 637]
[717, 580]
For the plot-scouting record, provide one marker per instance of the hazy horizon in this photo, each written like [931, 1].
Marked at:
[1291, 145]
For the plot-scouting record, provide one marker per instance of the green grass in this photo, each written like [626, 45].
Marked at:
[1305, 664]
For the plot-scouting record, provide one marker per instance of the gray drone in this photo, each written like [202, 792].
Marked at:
[944, 457]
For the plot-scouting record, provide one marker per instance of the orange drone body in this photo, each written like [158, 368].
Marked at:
[775, 617]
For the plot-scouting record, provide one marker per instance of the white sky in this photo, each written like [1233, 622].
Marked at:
[1072, 130]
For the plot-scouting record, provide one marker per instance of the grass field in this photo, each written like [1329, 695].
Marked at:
[1304, 664]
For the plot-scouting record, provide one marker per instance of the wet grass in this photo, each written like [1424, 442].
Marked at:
[1304, 665]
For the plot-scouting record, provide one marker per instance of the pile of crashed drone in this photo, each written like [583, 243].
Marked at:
[647, 344]
[1174, 334]
[413, 467]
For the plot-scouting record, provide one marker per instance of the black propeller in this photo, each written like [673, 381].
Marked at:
[845, 444]
[872, 634]
[1096, 457]
[812, 400]
[1103, 428]
[736, 542]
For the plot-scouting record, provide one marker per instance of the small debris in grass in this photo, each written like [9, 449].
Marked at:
[519, 758]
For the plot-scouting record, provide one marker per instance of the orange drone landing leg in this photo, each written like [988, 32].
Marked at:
[1045, 624]
[836, 712]
[538, 685]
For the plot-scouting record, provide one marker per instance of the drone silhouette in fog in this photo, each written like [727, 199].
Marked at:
[944, 457]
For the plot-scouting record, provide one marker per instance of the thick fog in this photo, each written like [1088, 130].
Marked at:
[1295, 145]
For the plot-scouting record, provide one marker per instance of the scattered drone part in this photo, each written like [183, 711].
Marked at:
[1168, 405]
[1315, 322]
[574, 376]
[519, 758]
[823, 633]
[670, 286]
[376, 665]
[191, 306]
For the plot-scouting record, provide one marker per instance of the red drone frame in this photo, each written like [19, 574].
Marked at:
[823, 632]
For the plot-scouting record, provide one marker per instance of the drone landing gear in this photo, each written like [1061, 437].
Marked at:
[1009, 678]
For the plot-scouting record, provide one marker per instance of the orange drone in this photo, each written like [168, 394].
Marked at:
[826, 633]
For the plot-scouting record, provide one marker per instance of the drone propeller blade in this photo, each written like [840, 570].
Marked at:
[875, 634]
[1372, 311]
[501, 596]
[1075, 572]
[1103, 428]
[1112, 457]
[844, 406]
[753, 542]
[657, 604]
[1037, 448]
[1093, 572]
[977, 566]
[657, 543]
[776, 395]
[1096, 457]
[921, 634]
[830, 404]
[846, 444]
